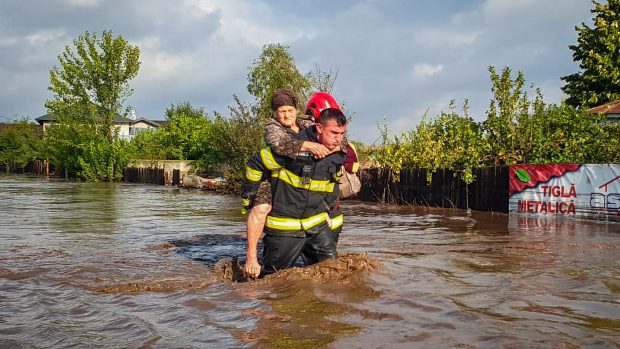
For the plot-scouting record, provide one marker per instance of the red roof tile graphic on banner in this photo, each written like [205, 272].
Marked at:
[529, 176]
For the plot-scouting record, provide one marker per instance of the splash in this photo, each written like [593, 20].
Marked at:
[341, 270]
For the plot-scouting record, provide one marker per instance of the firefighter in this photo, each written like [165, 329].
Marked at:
[303, 190]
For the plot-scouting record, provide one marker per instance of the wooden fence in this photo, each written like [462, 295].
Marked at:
[36, 167]
[488, 192]
[151, 175]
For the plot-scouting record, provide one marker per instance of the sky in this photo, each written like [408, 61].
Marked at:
[396, 60]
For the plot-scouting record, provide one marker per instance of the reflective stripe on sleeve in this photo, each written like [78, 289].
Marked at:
[245, 202]
[337, 221]
[252, 174]
[268, 159]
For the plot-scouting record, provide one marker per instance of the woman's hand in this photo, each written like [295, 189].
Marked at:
[319, 151]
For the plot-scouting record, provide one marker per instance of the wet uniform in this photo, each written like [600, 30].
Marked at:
[304, 190]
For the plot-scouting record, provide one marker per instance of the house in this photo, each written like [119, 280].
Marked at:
[611, 109]
[127, 128]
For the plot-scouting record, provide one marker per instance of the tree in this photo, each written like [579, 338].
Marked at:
[274, 69]
[93, 79]
[90, 87]
[322, 80]
[189, 135]
[19, 145]
[598, 51]
[508, 109]
[238, 137]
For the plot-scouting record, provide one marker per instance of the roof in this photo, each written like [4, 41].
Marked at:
[46, 117]
[608, 108]
[155, 123]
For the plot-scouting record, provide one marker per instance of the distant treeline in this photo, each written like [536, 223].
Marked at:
[91, 84]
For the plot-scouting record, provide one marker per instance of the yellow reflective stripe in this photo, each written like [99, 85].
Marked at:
[268, 160]
[339, 174]
[313, 221]
[297, 182]
[245, 202]
[252, 174]
[337, 221]
[353, 147]
[356, 165]
[283, 223]
[294, 224]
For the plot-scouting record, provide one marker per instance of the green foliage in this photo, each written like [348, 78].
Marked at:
[89, 89]
[274, 69]
[447, 141]
[517, 129]
[189, 135]
[101, 160]
[19, 144]
[507, 115]
[598, 51]
[563, 134]
[148, 146]
[238, 138]
[84, 153]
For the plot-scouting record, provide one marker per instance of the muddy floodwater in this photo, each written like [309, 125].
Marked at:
[92, 265]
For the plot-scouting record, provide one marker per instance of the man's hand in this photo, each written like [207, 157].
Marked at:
[252, 268]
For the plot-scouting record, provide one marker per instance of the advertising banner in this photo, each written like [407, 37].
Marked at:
[589, 190]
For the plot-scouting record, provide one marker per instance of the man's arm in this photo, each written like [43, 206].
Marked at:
[258, 167]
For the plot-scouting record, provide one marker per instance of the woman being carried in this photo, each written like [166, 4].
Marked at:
[279, 135]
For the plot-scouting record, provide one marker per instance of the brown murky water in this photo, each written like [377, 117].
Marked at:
[129, 266]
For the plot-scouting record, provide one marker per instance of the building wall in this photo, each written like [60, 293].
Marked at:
[123, 131]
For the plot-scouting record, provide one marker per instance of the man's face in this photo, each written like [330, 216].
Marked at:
[286, 115]
[330, 134]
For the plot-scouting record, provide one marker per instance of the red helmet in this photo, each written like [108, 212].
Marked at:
[320, 101]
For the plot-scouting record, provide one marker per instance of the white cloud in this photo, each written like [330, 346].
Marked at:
[159, 66]
[8, 40]
[427, 70]
[84, 3]
[44, 37]
[447, 38]
[250, 23]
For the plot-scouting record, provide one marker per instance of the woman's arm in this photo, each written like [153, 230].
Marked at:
[282, 142]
